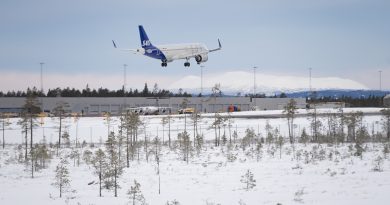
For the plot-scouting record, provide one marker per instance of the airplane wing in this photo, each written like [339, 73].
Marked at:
[189, 56]
[133, 50]
[217, 49]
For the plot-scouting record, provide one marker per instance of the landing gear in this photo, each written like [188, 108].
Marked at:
[164, 64]
[187, 64]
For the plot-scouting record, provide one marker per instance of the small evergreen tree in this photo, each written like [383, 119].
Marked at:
[62, 180]
[248, 180]
[280, 142]
[248, 138]
[135, 194]
[185, 146]
[304, 137]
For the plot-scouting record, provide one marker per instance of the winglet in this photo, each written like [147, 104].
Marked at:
[113, 42]
[217, 49]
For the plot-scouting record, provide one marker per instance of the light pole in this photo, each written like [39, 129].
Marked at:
[201, 80]
[310, 80]
[42, 76]
[124, 85]
[42, 108]
[201, 86]
[124, 77]
[380, 80]
[254, 86]
[254, 80]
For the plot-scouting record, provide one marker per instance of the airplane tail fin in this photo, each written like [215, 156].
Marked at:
[145, 42]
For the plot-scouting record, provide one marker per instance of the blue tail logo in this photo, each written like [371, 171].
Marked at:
[145, 42]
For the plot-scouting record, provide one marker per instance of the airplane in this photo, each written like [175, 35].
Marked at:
[150, 110]
[169, 53]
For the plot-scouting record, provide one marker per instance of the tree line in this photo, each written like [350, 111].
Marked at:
[100, 92]
[370, 101]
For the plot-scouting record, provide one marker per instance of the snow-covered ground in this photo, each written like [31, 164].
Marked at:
[95, 129]
[307, 174]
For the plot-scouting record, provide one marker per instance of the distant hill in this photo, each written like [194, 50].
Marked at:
[240, 83]
[340, 93]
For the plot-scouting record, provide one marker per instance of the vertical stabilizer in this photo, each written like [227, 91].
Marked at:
[145, 42]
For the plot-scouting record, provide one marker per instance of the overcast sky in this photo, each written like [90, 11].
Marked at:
[343, 38]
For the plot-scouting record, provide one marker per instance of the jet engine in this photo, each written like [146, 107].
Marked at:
[141, 51]
[201, 58]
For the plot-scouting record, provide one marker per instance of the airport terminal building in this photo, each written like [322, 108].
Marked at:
[93, 106]
[386, 101]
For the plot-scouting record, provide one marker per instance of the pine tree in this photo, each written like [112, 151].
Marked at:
[248, 138]
[30, 111]
[157, 145]
[4, 123]
[41, 155]
[23, 122]
[107, 120]
[62, 180]
[290, 111]
[185, 147]
[135, 194]
[386, 122]
[353, 120]
[315, 123]
[145, 91]
[195, 117]
[100, 164]
[304, 137]
[131, 124]
[280, 142]
[248, 180]
[115, 168]
[164, 121]
[61, 112]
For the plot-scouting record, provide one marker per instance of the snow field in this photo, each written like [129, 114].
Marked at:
[318, 175]
[211, 177]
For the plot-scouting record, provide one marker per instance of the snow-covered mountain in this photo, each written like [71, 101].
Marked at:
[242, 82]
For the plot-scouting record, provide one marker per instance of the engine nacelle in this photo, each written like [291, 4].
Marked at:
[141, 51]
[201, 58]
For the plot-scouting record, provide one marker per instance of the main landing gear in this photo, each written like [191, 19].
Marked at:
[164, 64]
[187, 64]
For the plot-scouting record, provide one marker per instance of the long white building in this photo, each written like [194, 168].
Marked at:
[99, 105]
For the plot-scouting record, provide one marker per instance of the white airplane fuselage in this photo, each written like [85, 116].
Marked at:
[182, 51]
